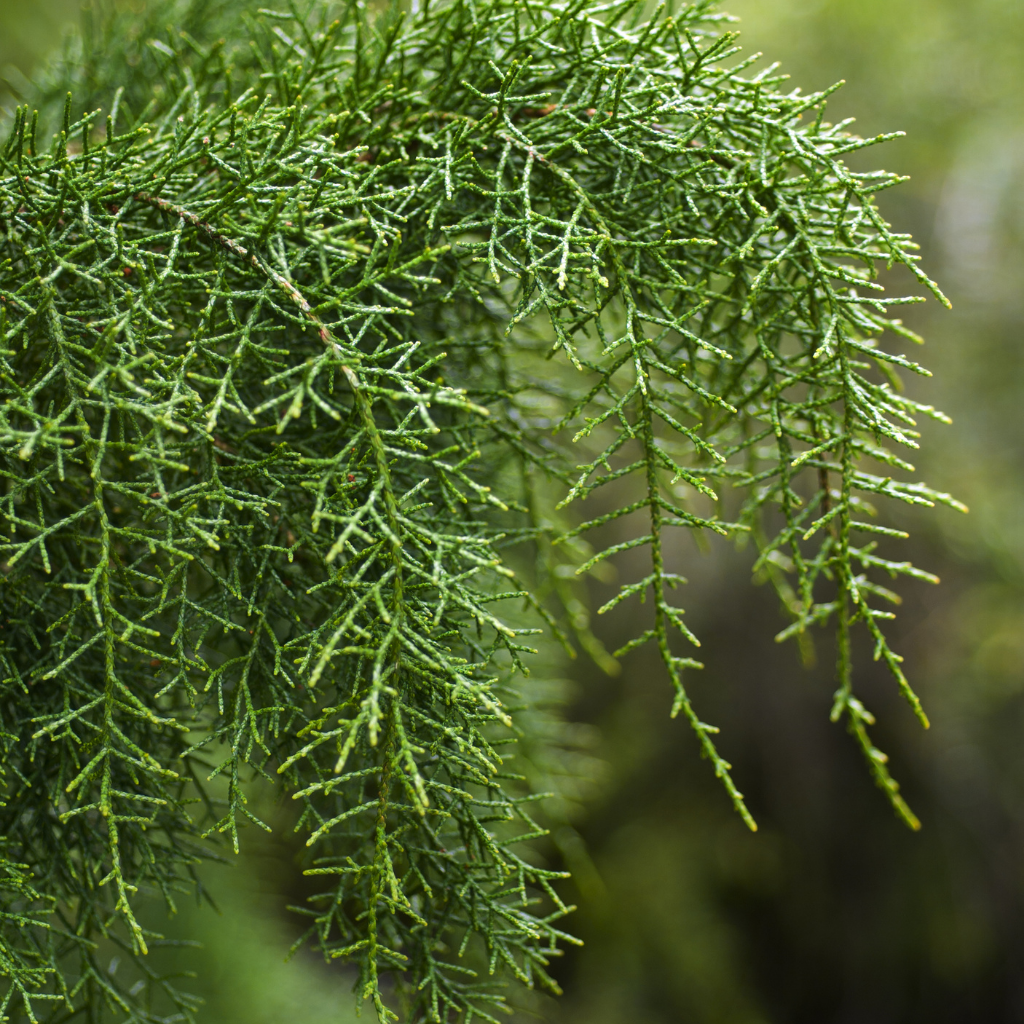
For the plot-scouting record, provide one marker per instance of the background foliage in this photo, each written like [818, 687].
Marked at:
[833, 912]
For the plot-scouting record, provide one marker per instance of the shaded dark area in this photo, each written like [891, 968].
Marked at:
[834, 912]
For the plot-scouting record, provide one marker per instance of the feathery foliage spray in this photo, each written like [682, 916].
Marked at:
[302, 335]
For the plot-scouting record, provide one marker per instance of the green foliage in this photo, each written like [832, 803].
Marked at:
[306, 338]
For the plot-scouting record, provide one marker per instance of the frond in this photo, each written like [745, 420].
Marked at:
[301, 345]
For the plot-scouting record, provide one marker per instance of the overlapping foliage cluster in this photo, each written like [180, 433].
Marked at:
[303, 336]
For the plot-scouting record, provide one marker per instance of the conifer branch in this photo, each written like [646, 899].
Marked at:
[316, 335]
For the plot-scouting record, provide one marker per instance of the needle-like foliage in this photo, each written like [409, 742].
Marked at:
[301, 335]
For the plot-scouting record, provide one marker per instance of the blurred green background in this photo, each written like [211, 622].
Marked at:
[833, 913]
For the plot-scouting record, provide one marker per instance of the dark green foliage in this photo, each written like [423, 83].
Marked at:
[300, 334]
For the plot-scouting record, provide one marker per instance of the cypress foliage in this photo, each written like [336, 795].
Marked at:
[302, 335]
